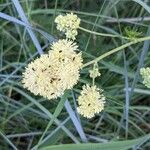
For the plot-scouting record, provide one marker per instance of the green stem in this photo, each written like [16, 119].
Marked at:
[55, 10]
[102, 34]
[93, 81]
[116, 50]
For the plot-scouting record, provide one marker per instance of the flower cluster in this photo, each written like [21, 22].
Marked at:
[145, 73]
[53, 73]
[94, 72]
[91, 101]
[68, 24]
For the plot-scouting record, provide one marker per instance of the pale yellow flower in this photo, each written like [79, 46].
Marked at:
[40, 78]
[91, 101]
[94, 73]
[53, 73]
[145, 73]
[68, 24]
[69, 62]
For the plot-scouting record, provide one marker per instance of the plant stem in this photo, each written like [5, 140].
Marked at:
[102, 34]
[116, 50]
[55, 10]
[93, 81]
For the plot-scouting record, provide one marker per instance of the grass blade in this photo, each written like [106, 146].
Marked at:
[75, 121]
[24, 18]
[8, 141]
[141, 63]
[42, 108]
[121, 145]
[126, 109]
[55, 115]
[143, 4]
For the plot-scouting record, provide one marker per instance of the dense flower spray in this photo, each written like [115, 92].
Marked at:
[53, 73]
[68, 24]
[91, 101]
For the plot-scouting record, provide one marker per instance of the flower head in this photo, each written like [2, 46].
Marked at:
[94, 73]
[91, 101]
[53, 73]
[68, 24]
[145, 73]
[68, 61]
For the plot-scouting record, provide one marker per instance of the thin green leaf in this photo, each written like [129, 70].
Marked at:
[121, 145]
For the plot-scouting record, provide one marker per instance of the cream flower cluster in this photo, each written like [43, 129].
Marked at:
[53, 73]
[145, 73]
[94, 73]
[91, 101]
[68, 24]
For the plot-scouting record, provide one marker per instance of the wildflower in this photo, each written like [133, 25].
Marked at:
[40, 78]
[91, 101]
[53, 73]
[68, 61]
[145, 73]
[68, 24]
[94, 72]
